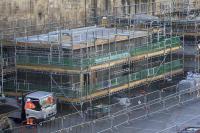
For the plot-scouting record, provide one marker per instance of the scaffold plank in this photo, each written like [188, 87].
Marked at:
[46, 69]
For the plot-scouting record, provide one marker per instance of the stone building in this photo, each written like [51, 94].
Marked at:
[76, 12]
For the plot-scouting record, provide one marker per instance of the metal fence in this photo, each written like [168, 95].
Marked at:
[141, 106]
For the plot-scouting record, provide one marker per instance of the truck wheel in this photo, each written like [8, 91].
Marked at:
[53, 118]
[41, 124]
[31, 121]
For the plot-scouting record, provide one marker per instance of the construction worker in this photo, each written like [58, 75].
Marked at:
[29, 105]
[50, 100]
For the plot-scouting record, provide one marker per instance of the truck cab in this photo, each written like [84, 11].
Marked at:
[190, 130]
[43, 106]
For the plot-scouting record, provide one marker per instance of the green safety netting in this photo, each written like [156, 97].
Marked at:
[147, 73]
[74, 62]
[86, 90]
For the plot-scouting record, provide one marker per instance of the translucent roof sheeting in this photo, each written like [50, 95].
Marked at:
[68, 37]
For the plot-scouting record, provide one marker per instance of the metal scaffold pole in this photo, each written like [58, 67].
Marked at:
[2, 68]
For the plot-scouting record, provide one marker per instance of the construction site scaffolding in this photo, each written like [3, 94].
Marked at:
[186, 22]
[8, 62]
[84, 64]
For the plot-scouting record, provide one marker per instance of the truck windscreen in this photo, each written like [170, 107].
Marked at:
[36, 103]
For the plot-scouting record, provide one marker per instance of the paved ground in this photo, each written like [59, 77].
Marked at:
[178, 118]
[173, 119]
[168, 121]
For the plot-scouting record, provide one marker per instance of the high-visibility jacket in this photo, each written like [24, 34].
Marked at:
[29, 105]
